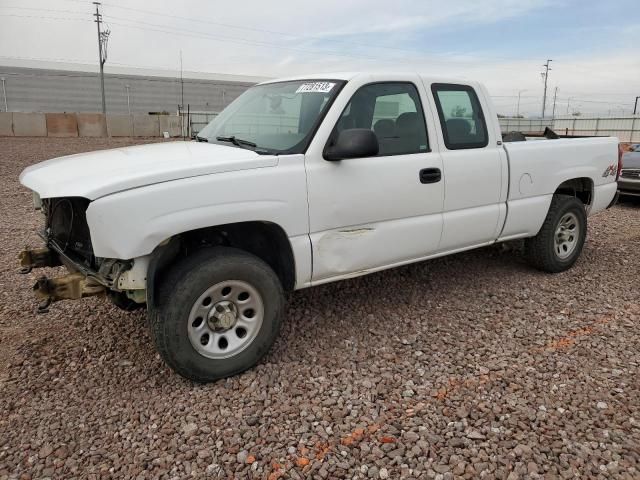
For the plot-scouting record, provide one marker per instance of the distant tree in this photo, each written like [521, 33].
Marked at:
[576, 114]
[501, 116]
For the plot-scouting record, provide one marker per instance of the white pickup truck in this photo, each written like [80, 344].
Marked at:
[300, 182]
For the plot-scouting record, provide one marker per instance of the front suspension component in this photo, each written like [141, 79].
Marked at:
[72, 286]
[38, 258]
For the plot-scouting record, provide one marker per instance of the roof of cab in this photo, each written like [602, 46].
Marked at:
[351, 75]
[315, 76]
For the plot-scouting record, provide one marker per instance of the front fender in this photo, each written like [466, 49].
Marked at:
[132, 223]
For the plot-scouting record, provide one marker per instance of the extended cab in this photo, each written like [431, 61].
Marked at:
[300, 182]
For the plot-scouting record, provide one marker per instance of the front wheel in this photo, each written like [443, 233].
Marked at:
[219, 312]
[561, 238]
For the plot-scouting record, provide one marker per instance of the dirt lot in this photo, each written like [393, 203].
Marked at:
[471, 366]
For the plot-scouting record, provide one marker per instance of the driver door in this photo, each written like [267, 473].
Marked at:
[377, 211]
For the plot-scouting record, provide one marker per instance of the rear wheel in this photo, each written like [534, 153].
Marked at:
[561, 238]
[219, 312]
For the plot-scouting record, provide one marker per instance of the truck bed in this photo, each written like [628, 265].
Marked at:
[536, 168]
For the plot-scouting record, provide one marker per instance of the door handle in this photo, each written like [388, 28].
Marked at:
[430, 175]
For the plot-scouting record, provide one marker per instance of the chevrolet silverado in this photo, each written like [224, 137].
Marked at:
[297, 183]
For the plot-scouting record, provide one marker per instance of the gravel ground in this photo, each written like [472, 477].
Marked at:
[471, 366]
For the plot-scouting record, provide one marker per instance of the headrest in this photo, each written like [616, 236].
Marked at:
[458, 129]
[385, 127]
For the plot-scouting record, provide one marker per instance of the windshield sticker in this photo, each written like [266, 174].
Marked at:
[315, 87]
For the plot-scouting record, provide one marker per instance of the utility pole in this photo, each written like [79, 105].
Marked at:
[555, 95]
[568, 101]
[103, 38]
[545, 74]
[518, 107]
[181, 83]
[635, 107]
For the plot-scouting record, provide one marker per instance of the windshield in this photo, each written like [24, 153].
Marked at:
[275, 117]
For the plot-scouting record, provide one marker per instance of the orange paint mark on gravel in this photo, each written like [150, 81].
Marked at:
[570, 338]
[454, 384]
[277, 472]
[560, 344]
[322, 449]
[354, 437]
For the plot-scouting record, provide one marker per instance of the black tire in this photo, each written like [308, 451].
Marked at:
[541, 249]
[179, 291]
[120, 300]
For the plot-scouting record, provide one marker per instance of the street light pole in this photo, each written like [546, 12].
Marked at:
[4, 93]
[555, 95]
[518, 107]
[635, 107]
[128, 103]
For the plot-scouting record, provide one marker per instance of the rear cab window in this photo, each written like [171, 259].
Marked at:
[461, 116]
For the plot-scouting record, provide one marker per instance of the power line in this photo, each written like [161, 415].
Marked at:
[185, 33]
[43, 10]
[44, 18]
[449, 58]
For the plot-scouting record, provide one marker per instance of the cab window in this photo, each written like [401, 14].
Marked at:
[393, 111]
[461, 116]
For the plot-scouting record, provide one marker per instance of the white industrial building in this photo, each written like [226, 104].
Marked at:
[62, 87]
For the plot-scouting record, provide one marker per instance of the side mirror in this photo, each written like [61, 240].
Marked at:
[353, 143]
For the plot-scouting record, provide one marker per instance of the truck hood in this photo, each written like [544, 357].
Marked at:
[96, 174]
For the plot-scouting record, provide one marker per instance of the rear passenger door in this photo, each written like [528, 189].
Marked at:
[475, 168]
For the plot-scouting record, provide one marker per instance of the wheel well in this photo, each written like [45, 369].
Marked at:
[265, 240]
[581, 188]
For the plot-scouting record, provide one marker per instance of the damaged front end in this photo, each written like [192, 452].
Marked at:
[68, 243]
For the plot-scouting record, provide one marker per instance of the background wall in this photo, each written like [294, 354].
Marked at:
[21, 124]
[42, 90]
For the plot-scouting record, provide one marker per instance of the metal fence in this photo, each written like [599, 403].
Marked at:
[250, 124]
[525, 125]
[627, 129]
[198, 120]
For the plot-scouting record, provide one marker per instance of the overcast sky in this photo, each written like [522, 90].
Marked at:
[595, 45]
